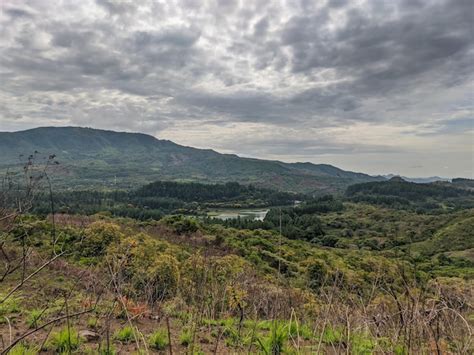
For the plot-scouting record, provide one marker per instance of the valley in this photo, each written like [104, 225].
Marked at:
[192, 267]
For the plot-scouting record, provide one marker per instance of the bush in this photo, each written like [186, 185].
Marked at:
[275, 342]
[317, 274]
[33, 318]
[102, 350]
[186, 337]
[11, 305]
[23, 349]
[164, 277]
[362, 344]
[181, 224]
[301, 330]
[332, 336]
[126, 334]
[159, 340]
[97, 237]
[65, 340]
[92, 323]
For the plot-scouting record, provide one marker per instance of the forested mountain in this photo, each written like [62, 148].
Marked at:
[91, 157]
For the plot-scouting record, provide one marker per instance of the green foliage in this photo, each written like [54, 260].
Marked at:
[186, 337]
[125, 335]
[275, 342]
[398, 193]
[296, 223]
[33, 318]
[332, 335]
[23, 349]
[372, 258]
[164, 276]
[181, 224]
[299, 330]
[323, 204]
[65, 340]
[11, 306]
[159, 339]
[152, 267]
[362, 344]
[92, 322]
[457, 235]
[102, 350]
[98, 236]
[317, 274]
[221, 193]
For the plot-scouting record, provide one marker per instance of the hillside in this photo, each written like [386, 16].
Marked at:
[91, 157]
[399, 193]
[419, 180]
[182, 286]
[149, 270]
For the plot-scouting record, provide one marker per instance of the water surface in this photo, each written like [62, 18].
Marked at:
[254, 214]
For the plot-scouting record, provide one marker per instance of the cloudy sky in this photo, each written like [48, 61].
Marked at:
[377, 86]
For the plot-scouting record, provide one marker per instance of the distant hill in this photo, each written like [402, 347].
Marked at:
[91, 157]
[419, 180]
[462, 183]
[397, 192]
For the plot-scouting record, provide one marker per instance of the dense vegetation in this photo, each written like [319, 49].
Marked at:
[300, 222]
[345, 275]
[402, 194]
[160, 198]
[217, 193]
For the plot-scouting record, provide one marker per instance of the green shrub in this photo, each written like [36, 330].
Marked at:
[11, 305]
[332, 336]
[301, 330]
[158, 340]
[181, 224]
[164, 277]
[274, 343]
[264, 325]
[104, 351]
[33, 317]
[231, 333]
[362, 344]
[92, 323]
[186, 337]
[126, 334]
[65, 340]
[317, 274]
[23, 349]
[97, 238]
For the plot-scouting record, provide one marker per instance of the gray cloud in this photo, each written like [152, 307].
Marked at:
[299, 67]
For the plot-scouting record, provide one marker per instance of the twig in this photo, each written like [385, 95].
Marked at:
[30, 276]
[169, 335]
[9, 328]
[16, 341]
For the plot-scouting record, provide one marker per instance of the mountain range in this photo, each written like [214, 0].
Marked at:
[91, 157]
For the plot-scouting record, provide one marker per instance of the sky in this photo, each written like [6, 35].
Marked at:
[377, 86]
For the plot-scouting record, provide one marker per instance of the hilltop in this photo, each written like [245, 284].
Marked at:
[93, 157]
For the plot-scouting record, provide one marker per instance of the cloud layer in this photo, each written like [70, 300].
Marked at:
[377, 86]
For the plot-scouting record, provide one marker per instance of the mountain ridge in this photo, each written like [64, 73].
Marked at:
[419, 180]
[96, 156]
